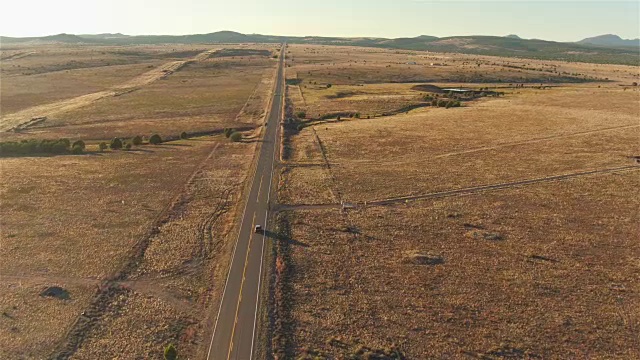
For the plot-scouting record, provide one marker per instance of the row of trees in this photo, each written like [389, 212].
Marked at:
[117, 143]
[46, 146]
[65, 146]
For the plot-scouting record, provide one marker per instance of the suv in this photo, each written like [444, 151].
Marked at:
[258, 229]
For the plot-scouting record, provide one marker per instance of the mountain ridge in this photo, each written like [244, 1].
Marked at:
[609, 40]
[510, 46]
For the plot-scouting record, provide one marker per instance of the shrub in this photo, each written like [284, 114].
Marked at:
[77, 149]
[300, 127]
[434, 102]
[127, 146]
[236, 136]
[228, 132]
[301, 114]
[457, 104]
[170, 352]
[137, 140]
[449, 104]
[442, 103]
[45, 146]
[116, 144]
[102, 146]
[183, 135]
[338, 118]
[329, 86]
[80, 144]
[155, 139]
[357, 115]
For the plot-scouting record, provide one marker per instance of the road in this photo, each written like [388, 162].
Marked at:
[235, 327]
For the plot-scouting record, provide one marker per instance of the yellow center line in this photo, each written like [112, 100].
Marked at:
[259, 188]
[244, 272]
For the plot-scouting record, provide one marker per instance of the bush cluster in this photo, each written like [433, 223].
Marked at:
[236, 136]
[155, 139]
[26, 147]
[116, 144]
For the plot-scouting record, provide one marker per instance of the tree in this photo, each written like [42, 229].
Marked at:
[184, 135]
[77, 149]
[170, 352]
[137, 140]
[236, 136]
[301, 114]
[155, 139]
[79, 143]
[116, 144]
[102, 146]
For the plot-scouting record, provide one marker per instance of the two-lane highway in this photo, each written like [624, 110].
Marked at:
[235, 327]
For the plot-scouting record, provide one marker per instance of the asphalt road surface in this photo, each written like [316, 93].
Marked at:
[235, 327]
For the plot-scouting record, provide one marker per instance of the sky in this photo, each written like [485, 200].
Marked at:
[548, 20]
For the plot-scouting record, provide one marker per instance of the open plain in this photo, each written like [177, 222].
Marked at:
[122, 252]
[429, 205]
[506, 227]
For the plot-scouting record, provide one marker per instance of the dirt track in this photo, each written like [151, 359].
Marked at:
[11, 121]
[464, 191]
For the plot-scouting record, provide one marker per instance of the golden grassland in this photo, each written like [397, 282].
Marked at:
[376, 81]
[140, 239]
[200, 96]
[542, 270]
[533, 134]
[42, 74]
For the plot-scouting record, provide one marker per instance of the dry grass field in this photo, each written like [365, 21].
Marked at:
[192, 94]
[46, 73]
[375, 81]
[482, 143]
[435, 259]
[137, 241]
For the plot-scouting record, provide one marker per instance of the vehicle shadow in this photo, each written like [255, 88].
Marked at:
[280, 237]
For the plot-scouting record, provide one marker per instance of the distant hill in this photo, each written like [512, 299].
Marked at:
[104, 36]
[510, 46]
[610, 40]
[513, 36]
[60, 38]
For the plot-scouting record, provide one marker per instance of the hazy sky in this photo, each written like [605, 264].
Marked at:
[549, 20]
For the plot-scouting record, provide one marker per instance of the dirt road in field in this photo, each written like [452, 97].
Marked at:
[457, 192]
[14, 120]
[235, 327]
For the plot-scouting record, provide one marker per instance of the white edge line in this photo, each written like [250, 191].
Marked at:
[255, 315]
